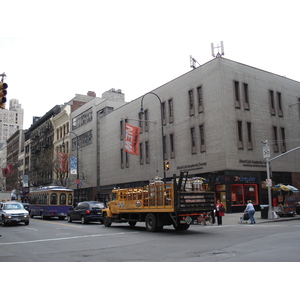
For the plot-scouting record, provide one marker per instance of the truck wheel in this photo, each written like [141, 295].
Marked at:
[106, 220]
[181, 227]
[151, 222]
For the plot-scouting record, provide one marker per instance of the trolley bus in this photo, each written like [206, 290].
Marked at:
[50, 201]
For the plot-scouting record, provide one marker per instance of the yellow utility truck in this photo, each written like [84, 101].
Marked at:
[177, 203]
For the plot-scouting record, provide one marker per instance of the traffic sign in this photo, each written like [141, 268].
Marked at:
[266, 151]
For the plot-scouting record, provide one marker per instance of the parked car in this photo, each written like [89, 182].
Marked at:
[86, 211]
[13, 212]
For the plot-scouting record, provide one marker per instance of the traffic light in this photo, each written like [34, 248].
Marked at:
[3, 92]
[167, 165]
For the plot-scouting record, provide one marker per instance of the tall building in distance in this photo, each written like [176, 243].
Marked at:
[11, 120]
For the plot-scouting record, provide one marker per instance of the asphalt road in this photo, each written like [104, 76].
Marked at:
[59, 241]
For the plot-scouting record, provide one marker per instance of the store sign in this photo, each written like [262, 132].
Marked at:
[252, 163]
[197, 166]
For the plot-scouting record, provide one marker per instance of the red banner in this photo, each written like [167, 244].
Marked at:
[4, 172]
[132, 139]
[62, 160]
[10, 169]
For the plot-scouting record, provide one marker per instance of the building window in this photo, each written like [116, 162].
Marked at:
[141, 122]
[246, 96]
[249, 131]
[146, 120]
[191, 102]
[200, 100]
[272, 105]
[171, 118]
[127, 159]
[283, 140]
[147, 152]
[141, 154]
[83, 140]
[193, 140]
[240, 135]
[82, 119]
[279, 104]
[237, 94]
[275, 139]
[202, 139]
[121, 130]
[165, 147]
[122, 159]
[172, 150]
[163, 112]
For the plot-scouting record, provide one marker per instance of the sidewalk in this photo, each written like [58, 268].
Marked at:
[234, 218]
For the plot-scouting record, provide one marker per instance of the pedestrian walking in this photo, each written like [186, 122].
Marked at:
[220, 211]
[251, 211]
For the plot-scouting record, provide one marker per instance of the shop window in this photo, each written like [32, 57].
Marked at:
[241, 193]
[236, 192]
[251, 193]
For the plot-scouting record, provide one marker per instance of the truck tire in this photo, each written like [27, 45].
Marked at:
[151, 222]
[181, 227]
[106, 220]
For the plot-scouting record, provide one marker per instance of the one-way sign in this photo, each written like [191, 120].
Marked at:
[266, 151]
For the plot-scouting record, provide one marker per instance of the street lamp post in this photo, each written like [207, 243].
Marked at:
[162, 129]
[77, 164]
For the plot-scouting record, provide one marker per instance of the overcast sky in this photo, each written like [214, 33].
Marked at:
[52, 50]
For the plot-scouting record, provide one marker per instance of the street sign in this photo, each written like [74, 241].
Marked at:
[269, 182]
[266, 151]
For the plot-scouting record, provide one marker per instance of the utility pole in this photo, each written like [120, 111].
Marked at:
[266, 153]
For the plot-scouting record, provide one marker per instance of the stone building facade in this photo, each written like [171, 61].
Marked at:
[215, 118]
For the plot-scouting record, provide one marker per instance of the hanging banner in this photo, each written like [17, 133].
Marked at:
[62, 160]
[132, 139]
[4, 172]
[10, 169]
[73, 165]
[25, 180]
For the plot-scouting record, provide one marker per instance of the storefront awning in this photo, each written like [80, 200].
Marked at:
[286, 188]
[293, 189]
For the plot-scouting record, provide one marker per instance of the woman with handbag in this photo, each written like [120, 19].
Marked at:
[220, 211]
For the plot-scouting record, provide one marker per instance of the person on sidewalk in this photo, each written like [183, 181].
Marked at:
[220, 211]
[251, 211]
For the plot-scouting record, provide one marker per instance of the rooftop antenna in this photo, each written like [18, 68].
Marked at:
[213, 50]
[193, 62]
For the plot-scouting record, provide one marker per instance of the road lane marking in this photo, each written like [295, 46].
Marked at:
[54, 223]
[29, 228]
[67, 238]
